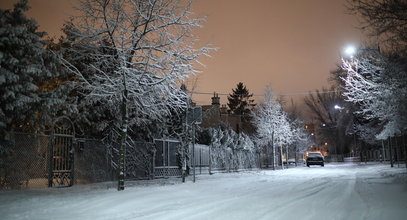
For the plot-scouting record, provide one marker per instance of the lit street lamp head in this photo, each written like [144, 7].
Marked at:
[338, 107]
[350, 51]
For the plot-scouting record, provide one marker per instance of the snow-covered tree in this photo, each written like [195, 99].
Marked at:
[301, 139]
[378, 86]
[141, 51]
[27, 69]
[272, 126]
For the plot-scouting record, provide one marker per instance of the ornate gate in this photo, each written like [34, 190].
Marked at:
[61, 164]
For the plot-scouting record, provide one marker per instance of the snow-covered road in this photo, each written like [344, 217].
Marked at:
[336, 191]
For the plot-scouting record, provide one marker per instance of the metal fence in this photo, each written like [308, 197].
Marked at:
[209, 159]
[26, 163]
[92, 162]
[138, 161]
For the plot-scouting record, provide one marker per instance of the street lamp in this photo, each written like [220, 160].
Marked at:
[350, 50]
[338, 107]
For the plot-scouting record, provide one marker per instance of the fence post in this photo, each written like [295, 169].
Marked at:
[397, 152]
[153, 164]
[193, 150]
[391, 153]
[51, 160]
[384, 152]
[200, 160]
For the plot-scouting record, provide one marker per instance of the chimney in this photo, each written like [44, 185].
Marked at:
[215, 99]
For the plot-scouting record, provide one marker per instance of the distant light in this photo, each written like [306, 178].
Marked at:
[323, 125]
[350, 50]
[338, 107]
[312, 133]
[326, 143]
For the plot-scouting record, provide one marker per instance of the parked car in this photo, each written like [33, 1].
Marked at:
[315, 158]
[290, 161]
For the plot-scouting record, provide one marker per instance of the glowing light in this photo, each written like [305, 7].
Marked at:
[338, 107]
[350, 50]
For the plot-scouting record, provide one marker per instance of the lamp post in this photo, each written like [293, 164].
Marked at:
[340, 108]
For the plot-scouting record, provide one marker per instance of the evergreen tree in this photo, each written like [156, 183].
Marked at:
[28, 93]
[240, 102]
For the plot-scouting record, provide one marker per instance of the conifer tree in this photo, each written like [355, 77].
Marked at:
[240, 102]
[26, 72]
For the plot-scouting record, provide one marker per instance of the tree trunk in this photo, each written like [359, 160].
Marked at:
[122, 152]
[281, 156]
[210, 159]
[286, 155]
[267, 155]
[295, 155]
[273, 149]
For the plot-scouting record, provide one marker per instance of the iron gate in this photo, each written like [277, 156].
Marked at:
[165, 158]
[61, 169]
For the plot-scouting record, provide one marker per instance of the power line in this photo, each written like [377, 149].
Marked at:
[286, 94]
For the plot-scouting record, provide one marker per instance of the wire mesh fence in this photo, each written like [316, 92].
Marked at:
[26, 164]
[25, 161]
[92, 162]
[138, 161]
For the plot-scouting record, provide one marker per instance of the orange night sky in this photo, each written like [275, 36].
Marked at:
[288, 44]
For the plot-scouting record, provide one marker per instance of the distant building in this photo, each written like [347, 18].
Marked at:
[216, 114]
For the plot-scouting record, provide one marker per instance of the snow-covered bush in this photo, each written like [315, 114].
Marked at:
[231, 151]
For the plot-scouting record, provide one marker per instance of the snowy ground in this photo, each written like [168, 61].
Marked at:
[336, 191]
